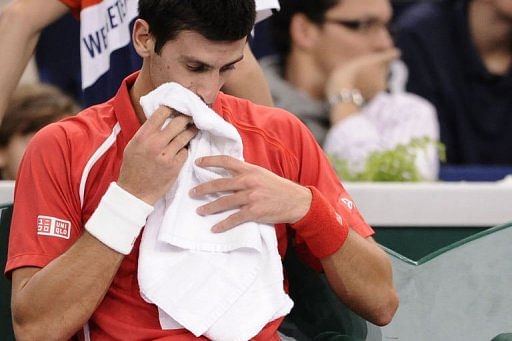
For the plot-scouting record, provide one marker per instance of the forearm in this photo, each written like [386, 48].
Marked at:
[248, 81]
[67, 290]
[360, 274]
[20, 25]
[357, 269]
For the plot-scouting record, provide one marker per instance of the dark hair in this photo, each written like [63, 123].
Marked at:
[31, 108]
[218, 20]
[314, 10]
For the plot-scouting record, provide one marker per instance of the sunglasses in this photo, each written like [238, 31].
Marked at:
[369, 26]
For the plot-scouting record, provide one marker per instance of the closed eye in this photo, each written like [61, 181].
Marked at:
[197, 68]
[228, 68]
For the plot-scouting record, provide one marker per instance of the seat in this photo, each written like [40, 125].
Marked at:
[317, 313]
[5, 284]
[459, 292]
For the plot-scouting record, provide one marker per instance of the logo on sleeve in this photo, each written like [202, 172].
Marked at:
[347, 203]
[53, 227]
[339, 219]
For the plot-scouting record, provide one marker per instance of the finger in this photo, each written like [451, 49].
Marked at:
[229, 163]
[232, 221]
[224, 203]
[177, 125]
[216, 186]
[180, 141]
[157, 119]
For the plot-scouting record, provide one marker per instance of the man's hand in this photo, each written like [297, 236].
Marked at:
[154, 156]
[368, 74]
[260, 195]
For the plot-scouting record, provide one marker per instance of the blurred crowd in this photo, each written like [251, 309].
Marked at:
[363, 75]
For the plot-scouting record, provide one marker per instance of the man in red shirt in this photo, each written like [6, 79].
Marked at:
[87, 185]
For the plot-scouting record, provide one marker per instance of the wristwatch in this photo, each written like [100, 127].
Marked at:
[353, 96]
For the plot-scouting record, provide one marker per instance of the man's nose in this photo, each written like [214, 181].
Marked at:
[208, 87]
[382, 39]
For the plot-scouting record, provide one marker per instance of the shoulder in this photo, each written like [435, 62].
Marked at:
[75, 138]
[274, 123]
[427, 13]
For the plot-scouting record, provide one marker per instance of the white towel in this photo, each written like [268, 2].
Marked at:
[225, 286]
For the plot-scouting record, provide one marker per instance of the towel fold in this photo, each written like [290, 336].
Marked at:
[225, 286]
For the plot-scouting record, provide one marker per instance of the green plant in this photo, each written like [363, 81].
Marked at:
[397, 164]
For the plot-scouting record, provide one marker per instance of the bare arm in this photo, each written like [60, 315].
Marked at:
[67, 290]
[70, 287]
[359, 272]
[21, 21]
[248, 81]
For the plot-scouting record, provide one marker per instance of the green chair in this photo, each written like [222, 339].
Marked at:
[459, 292]
[6, 332]
[503, 337]
[317, 313]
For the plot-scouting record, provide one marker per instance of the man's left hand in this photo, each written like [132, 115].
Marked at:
[260, 195]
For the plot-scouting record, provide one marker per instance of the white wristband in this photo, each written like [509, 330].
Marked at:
[118, 219]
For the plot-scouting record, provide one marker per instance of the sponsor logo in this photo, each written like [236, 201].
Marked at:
[53, 227]
[349, 203]
[339, 219]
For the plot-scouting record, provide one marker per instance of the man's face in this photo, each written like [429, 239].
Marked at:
[504, 8]
[199, 64]
[353, 28]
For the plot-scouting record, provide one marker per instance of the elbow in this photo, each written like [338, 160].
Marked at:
[34, 331]
[26, 328]
[383, 315]
[23, 329]
[15, 16]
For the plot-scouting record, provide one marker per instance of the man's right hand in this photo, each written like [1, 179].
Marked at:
[368, 74]
[154, 156]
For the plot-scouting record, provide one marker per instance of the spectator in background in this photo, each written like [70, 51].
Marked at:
[459, 57]
[332, 70]
[31, 108]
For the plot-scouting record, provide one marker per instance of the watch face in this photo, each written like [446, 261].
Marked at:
[347, 96]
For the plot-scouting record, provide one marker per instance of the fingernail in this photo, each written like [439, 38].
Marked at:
[216, 229]
[192, 192]
[199, 160]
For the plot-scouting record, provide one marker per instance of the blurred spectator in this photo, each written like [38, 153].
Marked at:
[31, 108]
[61, 69]
[331, 71]
[459, 56]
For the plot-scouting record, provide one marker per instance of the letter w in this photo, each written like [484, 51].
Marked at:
[92, 43]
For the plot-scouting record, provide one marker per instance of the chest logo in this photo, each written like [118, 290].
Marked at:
[53, 227]
[347, 203]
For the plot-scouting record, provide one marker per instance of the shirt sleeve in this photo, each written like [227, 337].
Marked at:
[387, 121]
[75, 6]
[46, 218]
[264, 9]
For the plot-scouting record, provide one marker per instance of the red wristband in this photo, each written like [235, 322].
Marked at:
[322, 228]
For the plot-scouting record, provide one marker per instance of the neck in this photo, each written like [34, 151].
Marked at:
[139, 89]
[304, 74]
[492, 34]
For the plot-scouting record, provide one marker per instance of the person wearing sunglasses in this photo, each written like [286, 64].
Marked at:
[332, 71]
